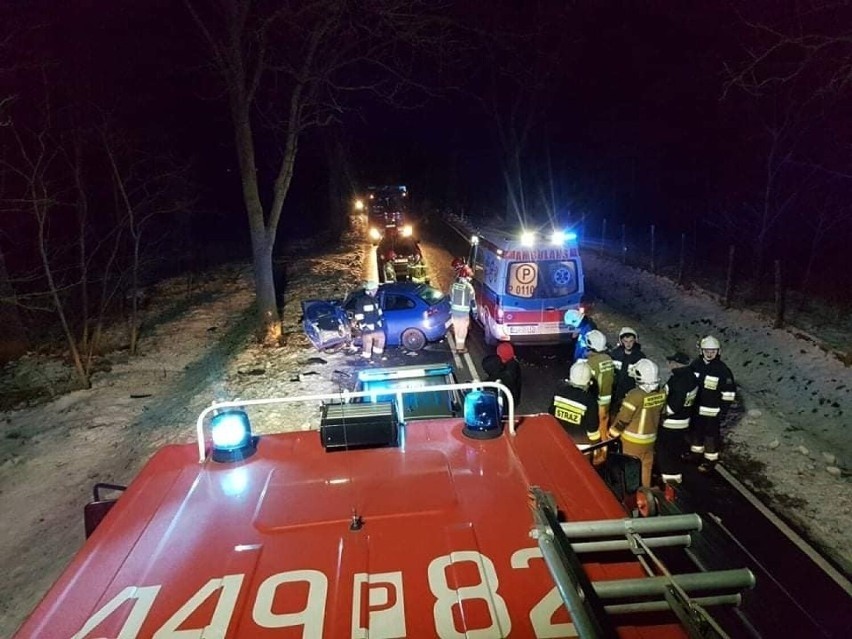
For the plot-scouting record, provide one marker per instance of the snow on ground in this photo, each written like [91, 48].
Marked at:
[790, 441]
[791, 434]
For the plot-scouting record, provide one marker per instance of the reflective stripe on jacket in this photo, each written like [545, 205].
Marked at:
[639, 416]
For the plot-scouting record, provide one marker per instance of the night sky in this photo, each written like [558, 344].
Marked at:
[634, 114]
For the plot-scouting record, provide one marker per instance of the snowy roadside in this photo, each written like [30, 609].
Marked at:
[53, 452]
[791, 443]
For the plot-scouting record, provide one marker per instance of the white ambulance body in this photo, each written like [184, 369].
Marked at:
[525, 282]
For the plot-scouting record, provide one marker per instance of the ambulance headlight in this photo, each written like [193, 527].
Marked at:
[232, 438]
[481, 415]
[527, 238]
[557, 237]
[375, 234]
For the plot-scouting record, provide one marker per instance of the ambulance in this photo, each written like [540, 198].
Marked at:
[526, 283]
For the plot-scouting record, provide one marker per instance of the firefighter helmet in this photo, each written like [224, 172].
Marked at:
[596, 341]
[573, 317]
[371, 285]
[458, 263]
[709, 342]
[580, 374]
[626, 330]
[646, 372]
[465, 271]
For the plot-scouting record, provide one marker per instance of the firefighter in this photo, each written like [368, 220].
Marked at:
[461, 301]
[575, 406]
[390, 267]
[417, 269]
[368, 317]
[639, 416]
[511, 374]
[624, 358]
[603, 375]
[681, 390]
[716, 393]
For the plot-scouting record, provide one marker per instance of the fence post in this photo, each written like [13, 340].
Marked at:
[653, 251]
[624, 244]
[682, 262]
[780, 301]
[603, 237]
[729, 281]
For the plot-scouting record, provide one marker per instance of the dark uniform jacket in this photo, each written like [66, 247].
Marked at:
[681, 391]
[716, 387]
[623, 363]
[508, 374]
[577, 411]
[368, 313]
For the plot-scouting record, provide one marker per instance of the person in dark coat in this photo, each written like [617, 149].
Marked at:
[624, 358]
[716, 393]
[681, 391]
[511, 370]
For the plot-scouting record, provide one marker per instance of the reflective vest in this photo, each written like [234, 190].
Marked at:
[461, 295]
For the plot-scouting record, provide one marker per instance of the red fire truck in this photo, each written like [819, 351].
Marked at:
[481, 525]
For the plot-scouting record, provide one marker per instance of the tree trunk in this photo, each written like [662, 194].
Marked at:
[269, 321]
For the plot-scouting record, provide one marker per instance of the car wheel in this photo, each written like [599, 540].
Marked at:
[412, 339]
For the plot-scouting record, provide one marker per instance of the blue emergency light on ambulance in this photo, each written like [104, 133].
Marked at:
[525, 282]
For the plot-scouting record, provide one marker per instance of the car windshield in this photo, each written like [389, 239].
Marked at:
[430, 295]
[542, 279]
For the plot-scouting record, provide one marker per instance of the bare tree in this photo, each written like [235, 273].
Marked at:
[146, 188]
[811, 42]
[521, 69]
[38, 157]
[305, 56]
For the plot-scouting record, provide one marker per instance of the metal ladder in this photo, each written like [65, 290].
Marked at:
[591, 604]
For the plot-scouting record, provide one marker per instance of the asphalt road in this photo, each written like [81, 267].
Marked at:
[797, 593]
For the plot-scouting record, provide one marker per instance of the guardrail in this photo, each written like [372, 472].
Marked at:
[346, 396]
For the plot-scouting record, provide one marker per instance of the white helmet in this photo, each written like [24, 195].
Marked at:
[626, 330]
[646, 373]
[596, 340]
[573, 317]
[709, 342]
[580, 374]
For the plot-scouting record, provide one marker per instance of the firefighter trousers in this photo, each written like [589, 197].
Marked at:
[645, 453]
[705, 437]
[671, 444]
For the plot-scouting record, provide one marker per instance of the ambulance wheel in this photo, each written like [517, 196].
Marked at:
[412, 339]
[646, 502]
